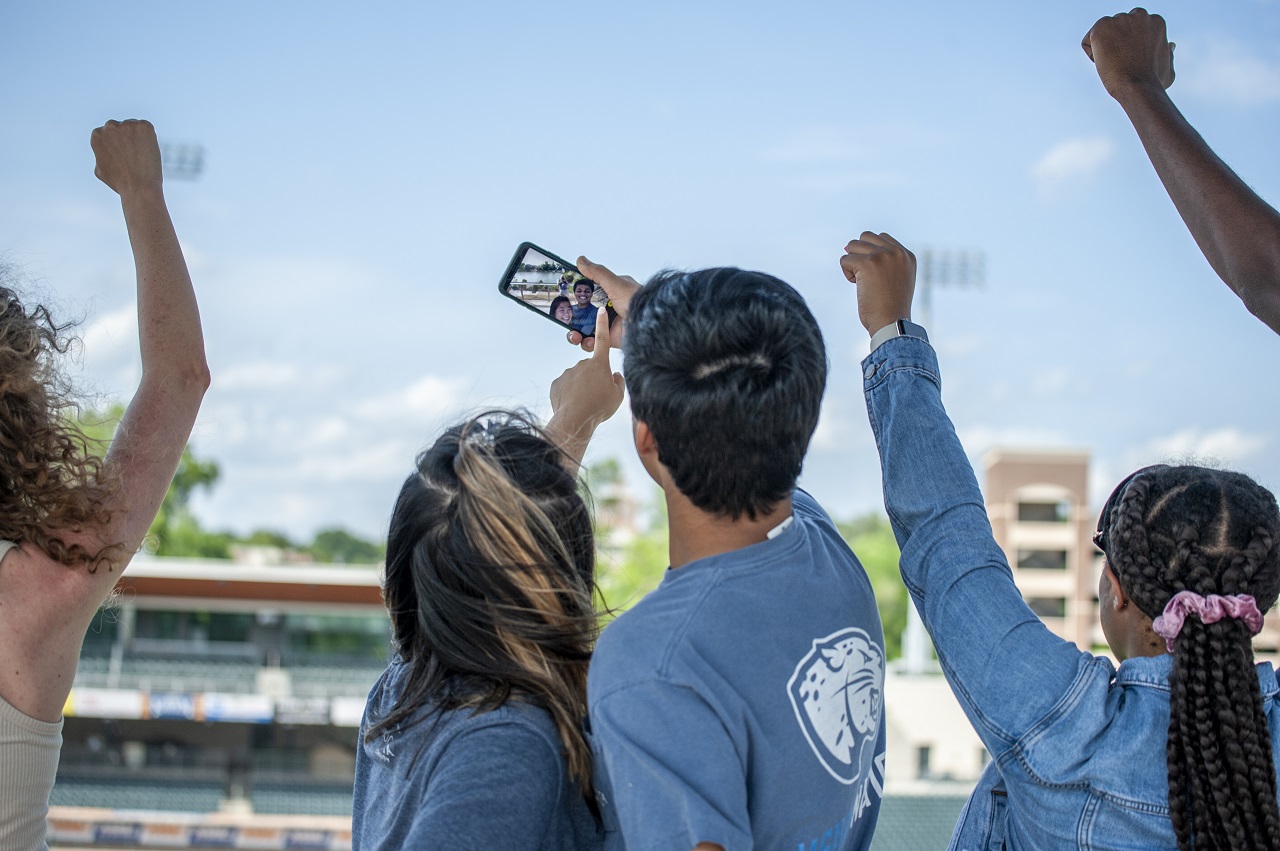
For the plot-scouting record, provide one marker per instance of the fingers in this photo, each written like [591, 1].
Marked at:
[849, 265]
[587, 344]
[596, 272]
[869, 243]
[619, 288]
[603, 343]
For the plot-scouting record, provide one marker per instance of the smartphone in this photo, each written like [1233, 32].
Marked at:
[553, 287]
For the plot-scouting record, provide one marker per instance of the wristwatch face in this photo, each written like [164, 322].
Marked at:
[907, 328]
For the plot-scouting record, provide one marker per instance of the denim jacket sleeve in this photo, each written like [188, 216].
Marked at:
[1011, 675]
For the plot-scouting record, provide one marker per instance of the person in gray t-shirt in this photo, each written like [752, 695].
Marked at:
[474, 736]
[740, 705]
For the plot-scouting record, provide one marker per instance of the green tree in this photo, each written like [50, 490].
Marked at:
[626, 575]
[268, 538]
[338, 546]
[871, 539]
[175, 530]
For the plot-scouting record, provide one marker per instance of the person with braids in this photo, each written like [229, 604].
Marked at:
[1176, 746]
[69, 520]
[474, 736]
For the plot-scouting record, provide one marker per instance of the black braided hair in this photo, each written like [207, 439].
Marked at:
[1169, 529]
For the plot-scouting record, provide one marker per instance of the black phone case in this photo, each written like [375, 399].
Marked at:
[515, 262]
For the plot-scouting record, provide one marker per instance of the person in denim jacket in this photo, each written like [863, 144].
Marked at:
[1176, 748]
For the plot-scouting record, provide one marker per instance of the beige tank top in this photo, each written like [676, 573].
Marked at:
[28, 762]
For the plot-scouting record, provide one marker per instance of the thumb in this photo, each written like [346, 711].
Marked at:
[601, 276]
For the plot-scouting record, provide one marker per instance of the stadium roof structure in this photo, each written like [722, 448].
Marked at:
[219, 583]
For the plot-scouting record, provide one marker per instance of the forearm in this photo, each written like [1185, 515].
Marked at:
[985, 634]
[572, 437]
[175, 375]
[169, 330]
[930, 491]
[1237, 231]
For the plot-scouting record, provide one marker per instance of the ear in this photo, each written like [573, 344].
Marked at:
[646, 443]
[1119, 599]
[647, 449]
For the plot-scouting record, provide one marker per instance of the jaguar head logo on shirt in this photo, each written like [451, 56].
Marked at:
[837, 692]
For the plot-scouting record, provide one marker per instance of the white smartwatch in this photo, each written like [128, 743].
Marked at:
[901, 328]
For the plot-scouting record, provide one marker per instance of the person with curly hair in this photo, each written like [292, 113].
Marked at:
[1176, 746]
[70, 520]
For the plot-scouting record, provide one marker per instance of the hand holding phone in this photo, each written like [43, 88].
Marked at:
[554, 288]
[619, 289]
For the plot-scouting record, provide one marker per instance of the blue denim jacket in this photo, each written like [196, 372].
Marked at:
[1078, 747]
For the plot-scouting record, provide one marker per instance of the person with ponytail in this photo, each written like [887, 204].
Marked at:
[1175, 748]
[474, 736]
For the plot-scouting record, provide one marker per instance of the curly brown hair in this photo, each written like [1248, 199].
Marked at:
[53, 480]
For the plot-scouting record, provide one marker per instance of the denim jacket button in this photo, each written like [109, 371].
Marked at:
[870, 371]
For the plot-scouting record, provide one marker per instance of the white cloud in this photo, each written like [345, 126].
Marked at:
[256, 375]
[108, 359]
[198, 262]
[112, 332]
[1069, 160]
[357, 462]
[1227, 71]
[429, 396]
[832, 432]
[1225, 445]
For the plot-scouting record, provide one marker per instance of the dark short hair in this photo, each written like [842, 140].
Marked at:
[726, 368]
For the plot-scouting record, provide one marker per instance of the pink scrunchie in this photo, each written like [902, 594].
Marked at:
[1210, 609]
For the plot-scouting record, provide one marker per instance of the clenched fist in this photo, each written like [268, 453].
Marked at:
[1131, 48]
[128, 156]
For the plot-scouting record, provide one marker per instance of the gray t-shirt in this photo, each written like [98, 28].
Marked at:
[742, 701]
[493, 780]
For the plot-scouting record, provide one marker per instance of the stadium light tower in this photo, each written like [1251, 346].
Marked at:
[947, 268]
[936, 268]
[182, 160]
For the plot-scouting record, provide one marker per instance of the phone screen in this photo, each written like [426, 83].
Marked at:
[554, 288]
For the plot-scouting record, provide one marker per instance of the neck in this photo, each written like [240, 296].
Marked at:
[697, 534]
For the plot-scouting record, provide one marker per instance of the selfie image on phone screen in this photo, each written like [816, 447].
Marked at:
[554, 288]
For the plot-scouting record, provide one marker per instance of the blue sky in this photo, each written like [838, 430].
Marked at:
[370, 168]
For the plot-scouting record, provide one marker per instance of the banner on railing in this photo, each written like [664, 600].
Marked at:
[161, 832]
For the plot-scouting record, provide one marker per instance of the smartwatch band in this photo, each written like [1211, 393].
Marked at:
[901, 328]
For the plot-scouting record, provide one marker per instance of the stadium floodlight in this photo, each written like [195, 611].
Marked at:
[182, 160]
[947, 268]
[936, 268]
